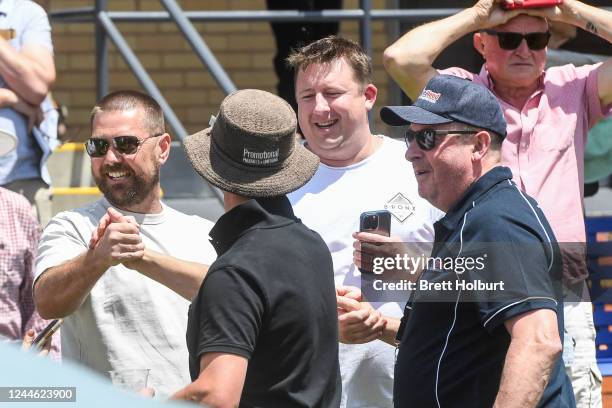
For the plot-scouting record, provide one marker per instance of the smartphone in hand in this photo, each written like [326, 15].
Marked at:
[376, 222]
[533, 4]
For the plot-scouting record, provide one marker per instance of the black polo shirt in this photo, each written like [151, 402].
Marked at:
[270, 298]
[453, 339]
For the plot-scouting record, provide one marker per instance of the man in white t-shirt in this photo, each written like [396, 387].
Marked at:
[359, 172]
[106, 268]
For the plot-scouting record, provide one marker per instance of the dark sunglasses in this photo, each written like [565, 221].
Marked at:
[97, 147]
[511, 41]
[426, 138]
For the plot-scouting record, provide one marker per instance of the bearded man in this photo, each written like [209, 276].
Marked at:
[91, 260]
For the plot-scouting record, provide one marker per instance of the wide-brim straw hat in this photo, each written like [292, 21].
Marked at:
[251, 149]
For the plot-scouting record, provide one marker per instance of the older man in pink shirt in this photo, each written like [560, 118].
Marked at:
[549, 114]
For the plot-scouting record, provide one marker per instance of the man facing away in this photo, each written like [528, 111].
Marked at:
[262, 330]
[99, 266]
[549, 113]
[359, 171]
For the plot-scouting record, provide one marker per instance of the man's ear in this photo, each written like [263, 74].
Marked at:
[478, 42]
[370, 92]
[482, 144]
[164, 146]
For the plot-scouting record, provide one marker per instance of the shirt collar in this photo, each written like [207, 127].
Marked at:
[253, 214]
[140, 218]
[481, 186]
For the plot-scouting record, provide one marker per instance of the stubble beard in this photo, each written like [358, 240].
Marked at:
[134, 192]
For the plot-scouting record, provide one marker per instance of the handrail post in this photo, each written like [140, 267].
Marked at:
[365, 28]
[199, 46]
[141, 74]
[101, 53]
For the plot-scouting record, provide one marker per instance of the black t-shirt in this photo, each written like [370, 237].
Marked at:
[270, 298]
[453, 340]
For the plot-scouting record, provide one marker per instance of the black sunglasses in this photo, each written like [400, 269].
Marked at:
[426, 138]
[511, 41]
[97, 147]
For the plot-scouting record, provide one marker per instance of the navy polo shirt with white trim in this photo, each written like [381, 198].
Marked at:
[453, 341]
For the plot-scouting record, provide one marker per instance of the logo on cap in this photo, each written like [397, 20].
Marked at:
[430, 96]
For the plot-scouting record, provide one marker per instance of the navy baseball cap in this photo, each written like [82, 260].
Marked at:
[448, 98]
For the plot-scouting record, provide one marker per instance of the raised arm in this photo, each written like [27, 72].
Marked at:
[60, 290]
[593, 19]
[183, 277]
[409, 60]
[534, 348]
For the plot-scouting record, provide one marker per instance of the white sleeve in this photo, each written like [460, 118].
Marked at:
[37, 29]
[60, 242]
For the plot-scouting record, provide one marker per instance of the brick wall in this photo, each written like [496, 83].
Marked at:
[245, 50]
